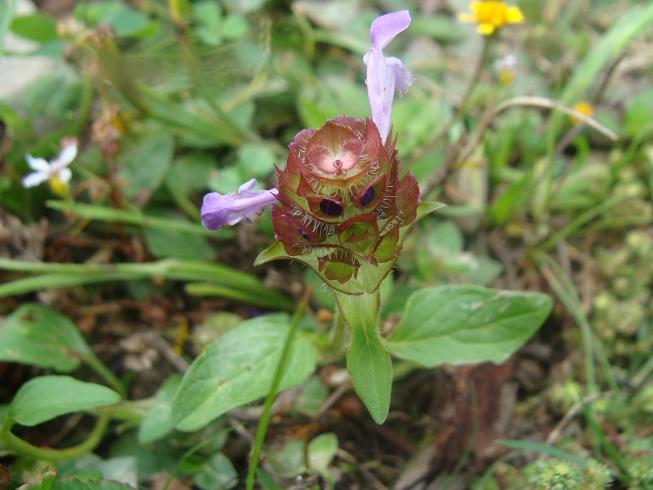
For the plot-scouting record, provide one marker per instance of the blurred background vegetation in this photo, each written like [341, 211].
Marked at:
[170, 100]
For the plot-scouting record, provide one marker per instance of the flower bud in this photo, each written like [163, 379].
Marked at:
[341, 204]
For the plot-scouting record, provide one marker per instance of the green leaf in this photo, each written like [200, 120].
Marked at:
[35, 335]
[439, 27]
[146, 163]
[312, 396]
[266, 481]
[226, 180]
[46, 397]
[217, 474]
[74, 483]
[368, 361]
[35, 27]
[321, 451]
[370, 367]
[287, 461]
[466, 324]
[638, 121]
[208, 17]
[168, 243]
[255, 160]
[158, 420]
[136, 218]
[126, 21]
[244, 6]
[191, 172]
[234, 26]
[238, 368]
[368, 277]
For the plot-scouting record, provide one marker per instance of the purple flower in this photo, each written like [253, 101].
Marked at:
[385, 75]
[228, 209]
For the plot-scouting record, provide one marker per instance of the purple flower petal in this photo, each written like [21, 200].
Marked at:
[385, 28]
[385, 75]
[228, 209]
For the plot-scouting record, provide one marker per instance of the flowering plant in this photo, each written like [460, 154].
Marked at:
[342, 207]
[55, 172]
[491, 15]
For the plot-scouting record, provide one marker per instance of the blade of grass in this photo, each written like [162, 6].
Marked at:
[566, 292]
[206, 289]
[103, 213]
[56, 281]
[52, 275]
[541, 448]
[262, 427]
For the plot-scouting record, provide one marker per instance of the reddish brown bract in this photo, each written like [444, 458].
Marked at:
[340, 199]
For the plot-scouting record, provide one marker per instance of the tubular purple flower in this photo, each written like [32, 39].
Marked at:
[385, 75]
[228, 209]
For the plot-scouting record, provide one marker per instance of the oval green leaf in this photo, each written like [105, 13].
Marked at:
[238, 368]
[466, 324]
[46, 397]
[35, 335]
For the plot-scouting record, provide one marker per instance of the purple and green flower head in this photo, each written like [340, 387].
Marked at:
[340, 205]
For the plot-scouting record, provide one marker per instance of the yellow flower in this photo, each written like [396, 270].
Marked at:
[58, 187]
[585, 108]
[491, 15]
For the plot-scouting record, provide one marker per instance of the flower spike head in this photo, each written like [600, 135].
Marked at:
[385, 75]
[342, 208]
[228, 209]
[491, 15]
[56, 171]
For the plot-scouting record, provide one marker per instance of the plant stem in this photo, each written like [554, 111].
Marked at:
[360, 312]
[48, 454]
[337, 333]
[97, 366]
[264, 421]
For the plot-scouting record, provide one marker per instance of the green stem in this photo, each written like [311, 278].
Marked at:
[337, 337]
[264, 421]
[48, 454]
[86, 103]
[360, 312]
[178, 10]
[97, 366]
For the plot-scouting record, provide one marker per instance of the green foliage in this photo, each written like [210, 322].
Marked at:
[170, 100]
[46, 397]
[216, 474]
[368, 361]
[35, 27]
[41, 337]
[464, 324]
[237, 368]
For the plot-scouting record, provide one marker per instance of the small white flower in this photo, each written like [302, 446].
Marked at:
[55, 170]
[508, 62]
